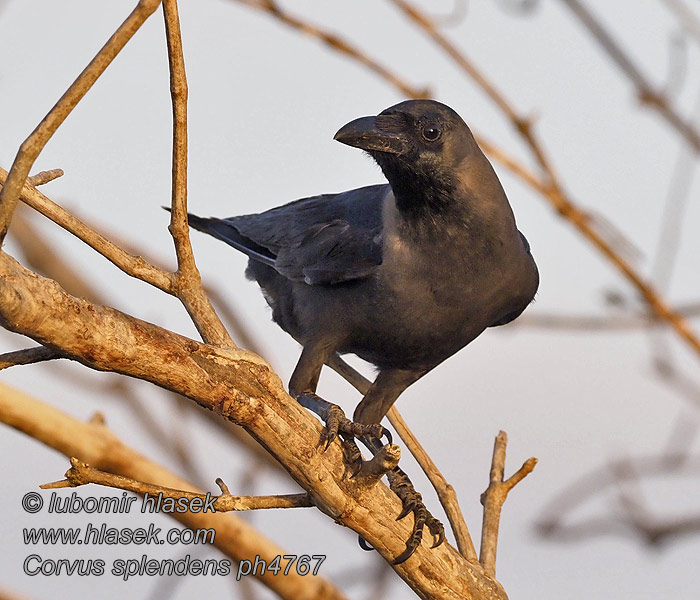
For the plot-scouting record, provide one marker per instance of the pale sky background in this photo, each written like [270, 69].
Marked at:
[265, 102]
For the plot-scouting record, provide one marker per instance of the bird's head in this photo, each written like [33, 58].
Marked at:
[422, 146]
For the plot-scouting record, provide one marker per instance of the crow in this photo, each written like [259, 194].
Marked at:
[402, 274]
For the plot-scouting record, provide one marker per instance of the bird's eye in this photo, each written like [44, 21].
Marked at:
[431, 132]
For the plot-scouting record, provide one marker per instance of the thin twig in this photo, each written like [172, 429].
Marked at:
[494, 497]
[28, 356]
[339, 44]
[582, 322]
[646, 91]
[81, 473]
[188, 282]
[445, 492]
[33, 145]
[132, 265]
[43, 177]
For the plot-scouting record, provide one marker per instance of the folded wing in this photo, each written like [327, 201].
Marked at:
[322, 240]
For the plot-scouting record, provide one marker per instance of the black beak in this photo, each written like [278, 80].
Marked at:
[365, 134]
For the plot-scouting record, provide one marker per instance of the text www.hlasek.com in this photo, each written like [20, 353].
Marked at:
[102, 534]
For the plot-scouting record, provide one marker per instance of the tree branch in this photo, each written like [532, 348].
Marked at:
[33, 145]
[27, 356]
[494, 497]
[81, 473]
[187, 281]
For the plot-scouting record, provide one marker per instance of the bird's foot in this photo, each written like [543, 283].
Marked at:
[336, 421]
[412, 501]
[353, 456]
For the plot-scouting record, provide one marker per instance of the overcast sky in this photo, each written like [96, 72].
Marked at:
[264, 104]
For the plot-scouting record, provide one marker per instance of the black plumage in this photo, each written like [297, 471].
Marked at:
[403, 274]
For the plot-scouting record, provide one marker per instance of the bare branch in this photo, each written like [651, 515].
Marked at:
[187, 280]
[131, 265]
[43, 177]
[46, 259]
[338, 44]
[646, 91]
[81, 473]
[33, 145]
[380, 464]
[494, 497]
[27, 356]
[241, 387]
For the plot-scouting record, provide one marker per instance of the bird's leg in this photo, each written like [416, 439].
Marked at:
[302, 386]
[336, 421]
[412, 501]
[377, 401]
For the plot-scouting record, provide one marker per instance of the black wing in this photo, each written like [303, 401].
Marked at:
[321, 240]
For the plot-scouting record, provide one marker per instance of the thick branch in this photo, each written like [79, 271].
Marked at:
[34, 144]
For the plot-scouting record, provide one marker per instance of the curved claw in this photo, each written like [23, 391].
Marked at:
[330, 437]
[405, 555]
[355, 469]
[437, 530]
[386, 433]
[408, 507]
[363, 544]
[411, 545]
